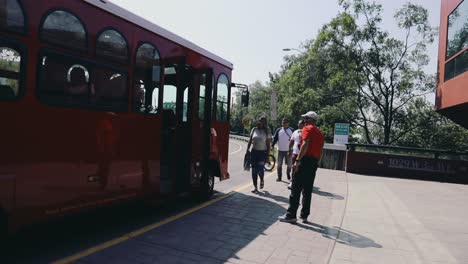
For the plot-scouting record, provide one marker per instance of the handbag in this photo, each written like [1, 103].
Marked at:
[247, 164]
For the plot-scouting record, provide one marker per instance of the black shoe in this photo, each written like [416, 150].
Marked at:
[304, 220]
[278, 179]
[255, 190]
[287, 219]
[289, 177]
[290, 185]
[262, 184]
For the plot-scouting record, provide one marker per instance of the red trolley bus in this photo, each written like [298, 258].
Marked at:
[98, 106]
[452, 92]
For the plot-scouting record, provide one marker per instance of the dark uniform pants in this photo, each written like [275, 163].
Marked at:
[302, 181]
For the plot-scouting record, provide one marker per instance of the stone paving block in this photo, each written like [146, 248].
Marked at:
[297, 260]
[340, 261]
[342, 252]
[255, 254]
[281, 254]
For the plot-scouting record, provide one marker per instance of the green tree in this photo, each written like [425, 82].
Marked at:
[259, 105]
[434, 131]
[383, 73]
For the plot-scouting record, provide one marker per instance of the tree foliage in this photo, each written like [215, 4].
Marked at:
[356, 72]
[383, 74]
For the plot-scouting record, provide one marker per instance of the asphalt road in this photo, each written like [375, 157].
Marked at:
[44, 243]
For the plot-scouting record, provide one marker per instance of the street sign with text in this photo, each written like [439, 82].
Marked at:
[341, 134]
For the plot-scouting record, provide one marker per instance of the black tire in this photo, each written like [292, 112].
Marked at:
[206, 189]
[270, 163]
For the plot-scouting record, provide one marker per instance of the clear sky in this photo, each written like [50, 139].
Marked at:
[252, 33]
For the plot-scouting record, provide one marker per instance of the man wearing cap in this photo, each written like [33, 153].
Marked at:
[305, 167]
[282, 136]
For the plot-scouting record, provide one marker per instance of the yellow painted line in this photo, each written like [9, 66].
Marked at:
[145, 229]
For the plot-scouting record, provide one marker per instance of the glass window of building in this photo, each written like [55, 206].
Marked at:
[457, 42]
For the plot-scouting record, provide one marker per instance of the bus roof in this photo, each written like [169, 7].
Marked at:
[129, 16]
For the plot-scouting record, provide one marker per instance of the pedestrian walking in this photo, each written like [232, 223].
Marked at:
[305, 168]
[260, 139]
[294, 144]
[282, 136]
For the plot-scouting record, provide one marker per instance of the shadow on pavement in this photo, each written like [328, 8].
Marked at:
[317, 191]
[239, 227]
[277, 198]
[213, 234]
[341, 235]
[65, 236]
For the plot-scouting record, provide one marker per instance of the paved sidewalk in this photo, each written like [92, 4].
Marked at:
[354, 219]
[393, 220]
[243, 228]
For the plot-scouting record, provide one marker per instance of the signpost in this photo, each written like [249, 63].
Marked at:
[273, 104]
[341, 134]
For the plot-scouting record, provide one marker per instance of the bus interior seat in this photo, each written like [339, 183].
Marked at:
[6, 92]
[169, 118]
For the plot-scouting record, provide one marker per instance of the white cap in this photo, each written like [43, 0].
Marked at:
[311, 114]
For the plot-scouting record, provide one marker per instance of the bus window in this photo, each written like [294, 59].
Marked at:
[169, 97]
[78, 80]
[64, 81]
[201, 97]
[110, 89]
[11, 16]
[222, 98]
[145, 60]
[153, 108]
[65, 29]
[10, 62]
[111, 44]
[139, 94]
[185, 105]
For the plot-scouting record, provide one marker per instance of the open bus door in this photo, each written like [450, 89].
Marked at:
[176, 126]
[204, 172]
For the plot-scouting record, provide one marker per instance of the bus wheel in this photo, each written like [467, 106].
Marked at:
[206, 185]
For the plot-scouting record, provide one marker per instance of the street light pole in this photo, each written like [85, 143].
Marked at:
[290, 49]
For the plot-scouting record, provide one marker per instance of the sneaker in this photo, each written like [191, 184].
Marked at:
[262, 183]
[278, 179]
[290, 185]
[255, 190]
[304, 220]
[285, 218]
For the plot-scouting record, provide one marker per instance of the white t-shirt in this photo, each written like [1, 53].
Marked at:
[296, 136]
[284, 136]
[259, 137]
